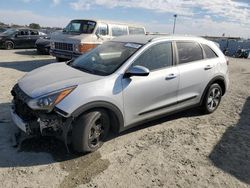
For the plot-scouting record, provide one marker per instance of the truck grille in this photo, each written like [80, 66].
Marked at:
[63, 46]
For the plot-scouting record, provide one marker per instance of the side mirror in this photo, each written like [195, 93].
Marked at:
[137, 71]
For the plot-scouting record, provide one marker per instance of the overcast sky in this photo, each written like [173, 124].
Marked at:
[195, 17]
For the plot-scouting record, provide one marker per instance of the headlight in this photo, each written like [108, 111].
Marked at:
[76, 47]
[47, 102]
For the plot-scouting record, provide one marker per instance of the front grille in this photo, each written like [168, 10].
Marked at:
[64, 46]
[20, 104]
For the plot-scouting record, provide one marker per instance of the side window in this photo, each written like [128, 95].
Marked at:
[136, 30]
[33, 32]
[23, 32]
[119, 30]
[156, 57]
[102, 29]
[209, 52]
[189, 51]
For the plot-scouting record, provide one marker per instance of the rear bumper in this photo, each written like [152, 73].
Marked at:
[64, 54]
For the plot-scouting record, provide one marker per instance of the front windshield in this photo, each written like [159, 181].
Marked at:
[9, 32]
[106, 58]
[80, 26]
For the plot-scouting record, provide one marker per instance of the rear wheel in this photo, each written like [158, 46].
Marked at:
[212, 98]
[90, 130]
[9, 45]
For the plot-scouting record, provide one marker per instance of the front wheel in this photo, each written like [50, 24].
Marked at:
[9, 45]
[212, 98]
[90, 130]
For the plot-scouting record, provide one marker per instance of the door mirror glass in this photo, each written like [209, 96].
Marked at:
[137, 71]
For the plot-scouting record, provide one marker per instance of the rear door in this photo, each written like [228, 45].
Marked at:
[194, 71]
[22, 39]
[145, 97]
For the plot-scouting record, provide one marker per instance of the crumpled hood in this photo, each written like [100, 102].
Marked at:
[53, 77]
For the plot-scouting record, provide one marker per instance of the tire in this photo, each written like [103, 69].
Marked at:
[59, 59]
[9, 45]
[90, 131]
[212, 98]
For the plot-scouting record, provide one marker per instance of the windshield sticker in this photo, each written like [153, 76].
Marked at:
[133, 45]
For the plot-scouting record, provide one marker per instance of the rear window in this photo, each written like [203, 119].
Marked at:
[136, 30]
[209, 52]
[119, 30]
[189, 52]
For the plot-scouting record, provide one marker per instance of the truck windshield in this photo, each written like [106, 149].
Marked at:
[80, 26]
[106, 58]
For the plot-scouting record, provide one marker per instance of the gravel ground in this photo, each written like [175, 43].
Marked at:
[187, 149]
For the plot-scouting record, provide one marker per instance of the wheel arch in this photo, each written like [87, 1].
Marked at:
[115, 114]
[219, 80]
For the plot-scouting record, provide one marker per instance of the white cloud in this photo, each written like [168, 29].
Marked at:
[56, 2]
[233, 11]
[25, 17]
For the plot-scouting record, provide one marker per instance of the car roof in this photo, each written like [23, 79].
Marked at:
[143, 39]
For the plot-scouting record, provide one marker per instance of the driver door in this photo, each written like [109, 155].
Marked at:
[152, 95]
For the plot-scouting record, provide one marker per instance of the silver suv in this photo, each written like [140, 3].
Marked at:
[119, 84]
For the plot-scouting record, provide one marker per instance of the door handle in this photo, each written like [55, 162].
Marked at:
[171, 76]
[208, 67]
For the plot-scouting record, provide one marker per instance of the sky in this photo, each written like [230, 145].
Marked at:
[194, 17]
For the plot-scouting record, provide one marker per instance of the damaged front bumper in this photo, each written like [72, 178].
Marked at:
[38, 122]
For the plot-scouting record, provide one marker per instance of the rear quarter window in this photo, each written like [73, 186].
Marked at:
[189, 52]
[209, 53]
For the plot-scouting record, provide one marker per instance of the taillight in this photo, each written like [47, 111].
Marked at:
[227, 61]
[86, 47]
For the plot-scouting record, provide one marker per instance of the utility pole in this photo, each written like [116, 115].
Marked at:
[175, 16]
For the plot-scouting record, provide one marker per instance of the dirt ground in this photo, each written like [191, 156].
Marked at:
[187, 149]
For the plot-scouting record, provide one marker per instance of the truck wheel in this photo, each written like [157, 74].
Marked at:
[212, 98]
[9, 45]
[59, 59]
[90, 130]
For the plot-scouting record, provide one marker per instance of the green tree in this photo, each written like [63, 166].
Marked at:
[34, 26]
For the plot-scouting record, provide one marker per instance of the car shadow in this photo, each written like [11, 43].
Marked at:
[192, 112]
[26, 66]
[29, 52]
[232, 153]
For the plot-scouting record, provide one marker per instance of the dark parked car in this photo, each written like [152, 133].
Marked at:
[242, 53]
[2, 30]
[43, 46]
[19, 38]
